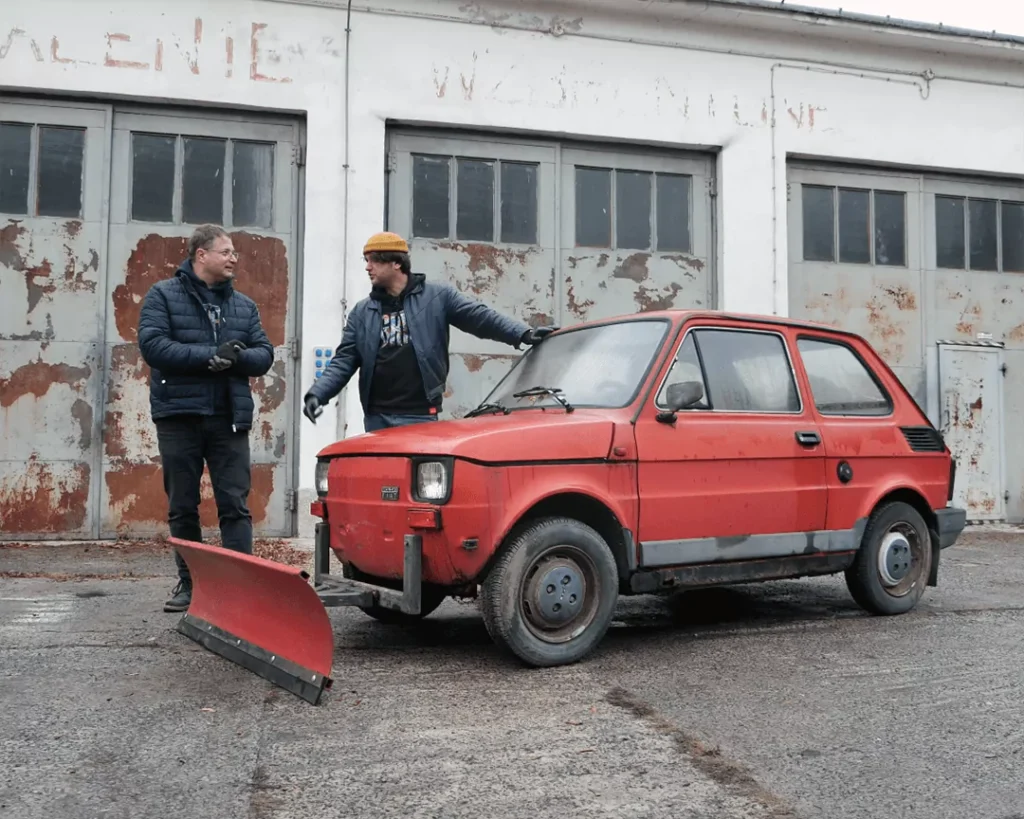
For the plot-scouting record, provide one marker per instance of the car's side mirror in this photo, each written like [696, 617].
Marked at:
[679, 397]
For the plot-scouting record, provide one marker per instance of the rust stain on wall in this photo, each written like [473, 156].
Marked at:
[1017, 333]
[261, 273]
[271, 388]
[577, 308]
[481, 256]
[72, 228]
[903, 298]
[81, 411]
[633, 267]
[36, 290]
[36, 379]
[965, 327]
[39, 279]
[40, 501]
[127, 372]
[154, 258]
[885, 330]
[648, 300]
[683, 262]
[137, 498]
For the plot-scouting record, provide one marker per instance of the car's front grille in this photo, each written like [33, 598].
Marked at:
[924, 439]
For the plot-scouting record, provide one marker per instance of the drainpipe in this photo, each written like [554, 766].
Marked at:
[341, 414]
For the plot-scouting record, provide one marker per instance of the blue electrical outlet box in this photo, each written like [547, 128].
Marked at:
[322, 357]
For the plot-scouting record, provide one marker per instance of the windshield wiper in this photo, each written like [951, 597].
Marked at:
[490, 407]
[554, 392]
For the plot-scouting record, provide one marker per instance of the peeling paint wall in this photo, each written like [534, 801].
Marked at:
[576, 69]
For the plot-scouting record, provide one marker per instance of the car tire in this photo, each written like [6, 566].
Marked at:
[891, 569]
[430, 599]
[550, 597]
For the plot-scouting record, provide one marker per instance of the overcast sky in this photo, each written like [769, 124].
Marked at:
[1006, 16]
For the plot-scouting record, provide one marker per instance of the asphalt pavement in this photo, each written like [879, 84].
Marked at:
[770, 700]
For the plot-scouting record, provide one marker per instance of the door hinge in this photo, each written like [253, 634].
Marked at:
[1002, 369]
[294, 350]
[392, 162]
[299, 156]
[291, 500]
[712, 186]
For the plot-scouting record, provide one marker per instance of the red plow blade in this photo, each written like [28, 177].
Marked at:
[262, 615]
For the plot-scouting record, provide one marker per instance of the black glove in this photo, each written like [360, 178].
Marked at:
[537, 335]
[229, 350]
[311, 408]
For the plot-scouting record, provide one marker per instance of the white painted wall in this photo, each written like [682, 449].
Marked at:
[807, 91]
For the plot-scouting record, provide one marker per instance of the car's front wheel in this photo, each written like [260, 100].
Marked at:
[891, 569]
[551, 595]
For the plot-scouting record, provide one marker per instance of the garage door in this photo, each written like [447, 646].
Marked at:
[549, 232]
[73, 284]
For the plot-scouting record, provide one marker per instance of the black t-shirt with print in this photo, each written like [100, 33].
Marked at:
[397, 382]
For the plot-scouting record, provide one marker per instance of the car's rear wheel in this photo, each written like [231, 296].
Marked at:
[550, 597]
[890, 572]
[430, 599]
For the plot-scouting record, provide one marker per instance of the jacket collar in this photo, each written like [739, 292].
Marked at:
[187, 274]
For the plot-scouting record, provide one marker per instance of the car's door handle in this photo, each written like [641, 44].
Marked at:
[808, 438]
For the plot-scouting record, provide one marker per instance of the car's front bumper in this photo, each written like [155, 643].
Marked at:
[950, 523]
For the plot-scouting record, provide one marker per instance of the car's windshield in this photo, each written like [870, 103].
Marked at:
[600, 366]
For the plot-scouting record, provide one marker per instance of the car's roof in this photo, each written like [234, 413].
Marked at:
[685, 314]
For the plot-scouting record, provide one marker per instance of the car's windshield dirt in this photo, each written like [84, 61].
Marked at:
[599, 366]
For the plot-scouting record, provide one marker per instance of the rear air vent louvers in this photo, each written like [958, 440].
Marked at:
[923, 439]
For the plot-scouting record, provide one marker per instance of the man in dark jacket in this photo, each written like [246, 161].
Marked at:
[203, 341]
[398, 340]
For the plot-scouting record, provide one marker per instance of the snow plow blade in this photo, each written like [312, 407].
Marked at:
[262, 615]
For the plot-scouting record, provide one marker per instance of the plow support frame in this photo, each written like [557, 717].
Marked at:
[341, 591]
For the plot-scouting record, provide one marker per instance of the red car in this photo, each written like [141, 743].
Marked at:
[638, 455]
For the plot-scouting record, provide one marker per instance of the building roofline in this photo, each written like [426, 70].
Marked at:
[781, 7]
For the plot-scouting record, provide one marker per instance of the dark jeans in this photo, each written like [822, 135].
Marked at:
[185, 443]
[380, 420]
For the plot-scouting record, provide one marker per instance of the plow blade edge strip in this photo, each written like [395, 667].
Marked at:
[259, 614]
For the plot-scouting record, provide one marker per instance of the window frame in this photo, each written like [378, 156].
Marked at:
[700, 356]
[651, 162]
[282, 139]
[815, 175]
[998, 191]
[822, 339]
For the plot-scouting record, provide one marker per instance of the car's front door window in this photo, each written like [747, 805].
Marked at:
[742, 371]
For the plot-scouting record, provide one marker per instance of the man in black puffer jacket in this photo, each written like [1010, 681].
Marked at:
[203, 341]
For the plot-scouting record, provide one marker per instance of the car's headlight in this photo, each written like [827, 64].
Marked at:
[432, 481]
[321, 478]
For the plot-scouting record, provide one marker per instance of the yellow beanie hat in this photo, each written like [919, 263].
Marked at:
[384, 243]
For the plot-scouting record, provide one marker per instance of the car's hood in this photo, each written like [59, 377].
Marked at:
[524, 435]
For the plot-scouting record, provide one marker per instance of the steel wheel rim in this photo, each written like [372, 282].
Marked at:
[546, 595]
[901, 559]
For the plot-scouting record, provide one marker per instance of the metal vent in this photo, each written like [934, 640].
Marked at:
[923, 439]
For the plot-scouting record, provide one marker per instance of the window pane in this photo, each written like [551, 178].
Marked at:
[430, 196]
[61, 157]
[673, 212]
[890, 229]
[819, 224]
[633, 210]
[474, 200]
[685, 368]
[854, 230]
[949, 232]
[202, 195]
[840, 383]
[252, 184]
[15, 155]
[747, 372]
[593, 207]
[1013, 237]
[983, 230]
[152, 178]
[518, 203]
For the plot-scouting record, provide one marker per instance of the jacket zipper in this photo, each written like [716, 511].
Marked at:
[216, 339]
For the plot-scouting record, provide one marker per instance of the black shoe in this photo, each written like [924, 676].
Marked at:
[182, 597]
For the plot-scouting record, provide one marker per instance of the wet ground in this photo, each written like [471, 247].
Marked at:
[779, 699]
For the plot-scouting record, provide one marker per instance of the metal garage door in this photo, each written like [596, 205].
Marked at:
[921, 265]
[83, 425]
[549, 232]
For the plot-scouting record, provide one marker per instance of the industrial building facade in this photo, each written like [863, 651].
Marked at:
[563, 163]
